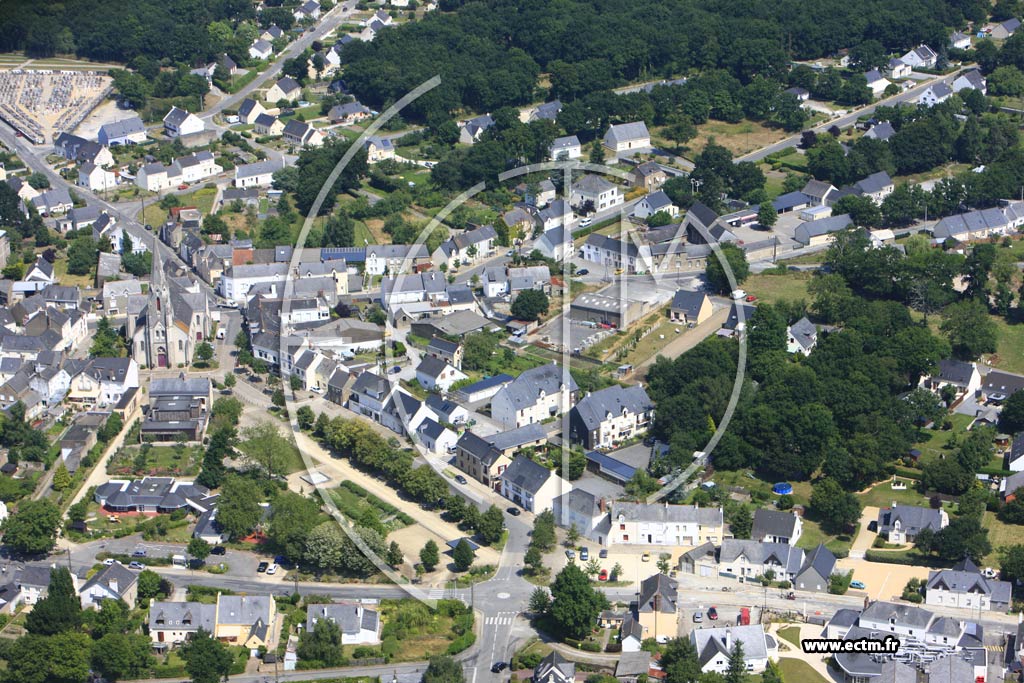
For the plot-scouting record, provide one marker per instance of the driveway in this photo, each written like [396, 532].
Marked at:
[865, 537]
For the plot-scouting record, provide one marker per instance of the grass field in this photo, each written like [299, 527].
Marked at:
[999, 535]
[60, 271]
[813, 535]
[1009, 353]
[772, 288]
[202, 199]
[882, 495]
[799, 670]
[363, 234]
[739, 138]
[937, 440]
[790, 634]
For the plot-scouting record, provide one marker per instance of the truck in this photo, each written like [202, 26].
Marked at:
[744, 616]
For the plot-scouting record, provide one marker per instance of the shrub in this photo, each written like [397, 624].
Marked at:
[590, 646]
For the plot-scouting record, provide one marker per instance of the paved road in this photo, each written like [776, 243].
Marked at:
[384, 671]
[847, 119]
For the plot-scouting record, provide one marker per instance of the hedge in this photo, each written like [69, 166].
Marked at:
[463, 642]
[908, 558]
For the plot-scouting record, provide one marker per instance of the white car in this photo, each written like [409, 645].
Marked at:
[737, 294]
[272, 569]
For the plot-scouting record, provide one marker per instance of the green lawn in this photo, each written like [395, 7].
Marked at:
[159, 461]
[60, 272]
[293, 460]
[799, 670]
[791, 634]
[1009, 353]
[882, 495]
[363, 234]
[1000, 534]
[813, 535]
[792, 286]
[938, 439]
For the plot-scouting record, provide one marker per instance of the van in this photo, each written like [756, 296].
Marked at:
[221, 333]
[179, 561]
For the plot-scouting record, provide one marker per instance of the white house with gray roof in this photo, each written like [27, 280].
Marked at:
[801, 337]
[665, 524]
[258, 174]
[776, 526]
[359, 624]
[467, 246]
[595, 190]
[964, 586]
[627, 137]
[532, 486]
[565, 148]
[179, 122]
[128, 131]
[818, 566]
[536, 395]
[748, 559]
[174, 623]
[961, 375]
[901, 523]
[608, 417]
[715, 645]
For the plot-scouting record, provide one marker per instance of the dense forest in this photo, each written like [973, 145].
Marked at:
[489, 53]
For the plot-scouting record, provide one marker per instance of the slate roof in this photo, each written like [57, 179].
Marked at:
[442, 345]
[965, 577]
[514, 438]
[526, 474]
[821, 560]
[176, 116]
[349, 617]
[661, 513]
[912, 519]
[823, 226]
[592, 183]
[658, 593]
[881, 131]
[123, 128]
[524, 390]
[626, 132]
[712, 642]
[804, 332]
[953, 370]
[876, 182]
[182, 616]
[552, 662]
[124, 577]
[563, 143]
[904, 615]
[287, 84]
[431, 428]
[773, 523]
[431, 367]
[198, 386]
[243, 609]
[347, 109]
[688, 302]
[790, 557]
[593, 409]
[548, 110]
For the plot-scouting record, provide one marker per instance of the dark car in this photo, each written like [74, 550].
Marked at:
[255, 378]
[395, 370]
[583, 271]
[513, 511]
[603, 554]
[498, 667]
[262, 567]
[461, 479]
[712, 613]
[218, 550]
[139, 552]
[148, 226]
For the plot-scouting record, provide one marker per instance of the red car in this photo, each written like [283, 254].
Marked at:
[603, 576]
[183, 186]
[751, 297]
[712, 614]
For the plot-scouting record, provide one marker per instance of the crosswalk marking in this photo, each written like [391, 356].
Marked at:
[502, 619]
[435, 593]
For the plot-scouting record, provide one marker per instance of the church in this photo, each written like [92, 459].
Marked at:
[175, 320]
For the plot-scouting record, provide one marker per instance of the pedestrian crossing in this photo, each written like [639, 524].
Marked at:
[436, 593]
[500, 619]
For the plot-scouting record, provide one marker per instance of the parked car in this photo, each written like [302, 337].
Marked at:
[603, 554]
[857, 584]
[571, 554]
[698, 617]
[584, 553]
[712, 614]
[139, 552]
[218, 550]
[461, 479]
[751, 298]
[136, 565]
[272, 569]
[646, 557]
[183, 186]
[498, 667]
[262, 567]
[514, 511]
[583, 271]
[109, 561]
[603, 575]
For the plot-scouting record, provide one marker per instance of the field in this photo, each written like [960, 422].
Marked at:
[739, 138]
[773, 288]
[202, 199]
[155, 461]
[60, 272]
[937, 440]
[1009, 353]
[799, 670]
[813, 535]
[293, 460]
[791, 634]
[999, 535]
[882, 495]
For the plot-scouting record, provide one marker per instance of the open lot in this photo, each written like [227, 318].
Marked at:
[791, 286]
[739, 138]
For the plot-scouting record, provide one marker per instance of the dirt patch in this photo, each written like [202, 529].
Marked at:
[739, 138]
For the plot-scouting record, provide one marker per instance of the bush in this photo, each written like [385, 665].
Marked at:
[463, 642]
[785, 585]
[613, 647]
[590, 646]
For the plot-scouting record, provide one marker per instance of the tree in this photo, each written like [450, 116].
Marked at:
[229, 380]
[965, 536]
[1011, 563]
[238, 510]
[291, 519]
[221, 444]
[443, 669]
[716, 273]
[60, 610]
[32, 529]
[836, 508]
[324, 547]
[530, 304]
[305, 417]
[119, 656]
[429, 555]
[544, 531]
[679, 661]
[82, 255]
[106, 343]
[199, 549]
[1011, 418]
[206, 660]
[322, 644]
[61, 478]
[862, 210]
[767, 215]
[204, 353]
[395, 557]
[737, 671]
[463, 556]
[740, 520]
[149, 584]
[534, 561]
[266, 447]
[969, 329]
[575, 605]
[491, 525]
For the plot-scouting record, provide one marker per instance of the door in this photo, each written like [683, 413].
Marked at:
[161, 360]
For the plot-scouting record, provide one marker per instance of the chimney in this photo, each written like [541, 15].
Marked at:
[602, 506]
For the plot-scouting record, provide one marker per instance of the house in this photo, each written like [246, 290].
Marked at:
[701, 561]
[261, 49]
[800, 94]
[393, 259]
[435, 437]
[648, 175]
[96, 178]
[358, 623]
[379, 149]
[197, 166]
[1005, 29]
[249, 110]
[898, 69]
[935, 94]
[286, 88]
[302, 134]
[585, 511]
[747, 559]
[552, 244]
[654, 203]
[963, 376]
[880, 131]
[657, 608]
[627, 137]
[921, 57]
[471, 130]
[814, 233]
[349, 113]
[258, 174]
[532, 486]
[309, 10]
[593, 193]
[434, 374]
[156, 177]
[565, 148]
[557, 214]
[113, 582]
[776, 526]
[448, 351]
[666, 525]
[179, 123]
[246, 620]
[702, 223]
[466, 247]
[819, 192]
[272, 32]
[536, 395]
[715, 645]
[607, 417]
[901, 523]
[690, 307]
[546, 112]
[801, 337]
[128, 131]
[174, 623]
[104, 382]
[477, 457]
[554, 669]
[1014, 458]
[53, 202]
[117, 293]
[76, 148]
[265, 124]
[877, 83]
[150, 495]
[876, 186]
[964, 586]
[970, 79]
[178, 408]
[981, 223]
[960, 41]
[818, 566]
